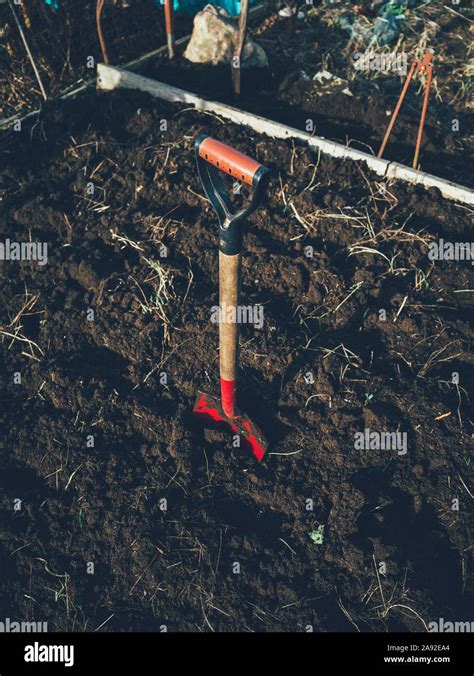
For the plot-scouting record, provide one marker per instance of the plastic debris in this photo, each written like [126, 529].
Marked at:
[389, 21]
[328, 83]
[317, 536]
[387, 28]
[286, 12]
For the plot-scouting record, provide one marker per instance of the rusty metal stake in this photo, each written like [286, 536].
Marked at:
[98, 15]
[420, 66]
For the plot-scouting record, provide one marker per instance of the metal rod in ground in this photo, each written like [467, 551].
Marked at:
[397, 109]
[28, 50]
[98, 16]
[423, 116]
[169, 23]
[239, 46]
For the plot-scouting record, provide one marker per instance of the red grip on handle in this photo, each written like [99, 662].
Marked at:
[230, 161]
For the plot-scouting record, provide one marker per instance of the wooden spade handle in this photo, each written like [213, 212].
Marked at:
[229, 291]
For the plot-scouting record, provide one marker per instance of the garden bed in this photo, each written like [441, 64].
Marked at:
[63, 41]
[324, 367]
[298, 50]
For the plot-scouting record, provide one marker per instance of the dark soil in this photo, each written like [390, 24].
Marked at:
[63, 41]
[104, 504]
[286, 93]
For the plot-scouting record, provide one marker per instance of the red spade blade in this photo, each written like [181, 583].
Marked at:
[210, 407]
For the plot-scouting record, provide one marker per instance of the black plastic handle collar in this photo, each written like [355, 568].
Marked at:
[230, 224]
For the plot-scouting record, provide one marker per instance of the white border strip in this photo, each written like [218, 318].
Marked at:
[113, 77]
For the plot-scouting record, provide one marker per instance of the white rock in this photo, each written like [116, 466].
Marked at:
[212, 40]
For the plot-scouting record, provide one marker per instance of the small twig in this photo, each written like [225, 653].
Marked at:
[286, 543]
[28, 50]
[380, 584]
[354, 289]
[72, 476]
[450, 9]
[104, 622]
[401, 605]
[467, 489]
[400, 308]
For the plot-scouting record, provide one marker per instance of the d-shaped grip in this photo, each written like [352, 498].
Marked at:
[214, 157]
[228, 160]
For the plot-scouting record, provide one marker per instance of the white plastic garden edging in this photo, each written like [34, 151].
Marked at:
[113, 77]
